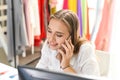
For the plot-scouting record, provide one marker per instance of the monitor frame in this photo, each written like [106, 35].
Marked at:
[29, 73]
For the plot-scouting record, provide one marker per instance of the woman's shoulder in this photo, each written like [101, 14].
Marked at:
[86, 53]
[86, 49]
[87, 44]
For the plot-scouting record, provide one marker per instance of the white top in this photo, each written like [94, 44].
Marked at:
[84, 62]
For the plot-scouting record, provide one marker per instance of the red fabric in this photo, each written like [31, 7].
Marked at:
[103, 36]
[65, 4]
[37, 39]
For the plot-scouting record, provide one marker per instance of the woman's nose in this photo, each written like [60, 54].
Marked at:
[51, 38]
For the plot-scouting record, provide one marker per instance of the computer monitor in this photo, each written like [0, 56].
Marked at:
[28, 73]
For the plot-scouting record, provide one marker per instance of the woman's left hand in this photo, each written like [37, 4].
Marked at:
[66, 54]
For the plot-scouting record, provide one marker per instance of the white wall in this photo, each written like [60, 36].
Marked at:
[115, 44]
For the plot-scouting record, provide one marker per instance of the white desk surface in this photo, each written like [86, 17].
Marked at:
[8, 73]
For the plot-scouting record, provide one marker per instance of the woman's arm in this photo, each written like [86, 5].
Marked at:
[65, 54]
[69, 69]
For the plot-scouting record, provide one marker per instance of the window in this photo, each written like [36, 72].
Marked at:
[4, 2]
[0, 13]
[5, 23]
[0, 23]
[0, 2]
[5, 12]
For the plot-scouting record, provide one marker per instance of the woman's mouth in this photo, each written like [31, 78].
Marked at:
[52, 44]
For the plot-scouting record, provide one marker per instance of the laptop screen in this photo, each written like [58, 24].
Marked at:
[28, 73]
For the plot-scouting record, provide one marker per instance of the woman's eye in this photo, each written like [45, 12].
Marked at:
[49, 31]
[59, 35]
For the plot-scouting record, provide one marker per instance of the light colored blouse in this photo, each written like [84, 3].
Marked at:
[84, 62]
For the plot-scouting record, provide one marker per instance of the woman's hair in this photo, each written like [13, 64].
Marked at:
[70, 19]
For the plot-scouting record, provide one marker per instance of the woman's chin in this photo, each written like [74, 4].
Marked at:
[53, 47]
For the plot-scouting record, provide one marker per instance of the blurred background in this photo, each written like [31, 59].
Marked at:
[23, 28]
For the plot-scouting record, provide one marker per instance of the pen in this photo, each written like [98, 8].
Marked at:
[1, 73]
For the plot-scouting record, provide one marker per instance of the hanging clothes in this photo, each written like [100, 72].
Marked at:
[20, 28]
[81, 8]
[37, 39]
[98, 16]
[72, 5]
[28, 21]
[34, 15]
[10, 31]
[59, 5]
[53, 4]
[84, 17]
[20, 37]
[79, 13]
[102, 41]
[65, 4]
[34, 19]
[88, 29]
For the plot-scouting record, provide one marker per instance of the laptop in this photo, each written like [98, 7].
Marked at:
[28, 73]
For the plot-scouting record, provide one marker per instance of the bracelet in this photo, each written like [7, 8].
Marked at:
[65, 67]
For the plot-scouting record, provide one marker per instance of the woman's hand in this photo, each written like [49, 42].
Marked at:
[66, 53]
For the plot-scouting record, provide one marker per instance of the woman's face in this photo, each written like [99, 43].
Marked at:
[57, 32]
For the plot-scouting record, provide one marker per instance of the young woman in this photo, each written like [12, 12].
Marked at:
[64, 50]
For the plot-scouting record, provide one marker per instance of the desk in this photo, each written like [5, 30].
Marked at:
[8, 73]
[11, 73]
